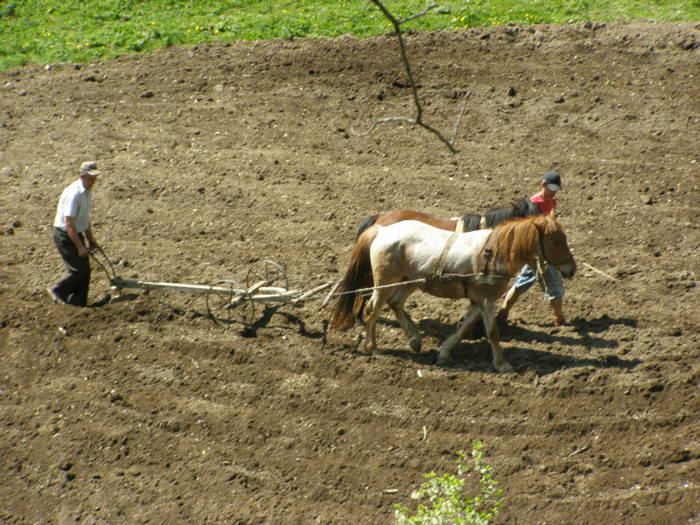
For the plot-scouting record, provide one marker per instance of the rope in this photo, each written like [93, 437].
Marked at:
[493, 279]
[371, 289]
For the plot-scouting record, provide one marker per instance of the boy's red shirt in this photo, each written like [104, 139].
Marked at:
[544, 206]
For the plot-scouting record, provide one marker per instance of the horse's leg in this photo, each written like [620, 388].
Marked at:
[374, 306]
[397, 301]
[472, 316]
[488, 312]
[359, 309]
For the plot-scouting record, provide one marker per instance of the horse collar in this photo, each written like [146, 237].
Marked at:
[488, 255]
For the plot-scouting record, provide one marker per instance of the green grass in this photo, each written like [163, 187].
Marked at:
[49, 31]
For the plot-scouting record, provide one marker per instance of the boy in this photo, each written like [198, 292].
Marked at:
[546, 201]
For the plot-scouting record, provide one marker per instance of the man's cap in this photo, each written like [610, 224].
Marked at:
[89, 168]
[552, 180]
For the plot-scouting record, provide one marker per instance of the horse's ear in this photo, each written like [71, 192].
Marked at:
[553, 215]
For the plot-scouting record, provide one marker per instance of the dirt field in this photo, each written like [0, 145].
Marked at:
[219, 156]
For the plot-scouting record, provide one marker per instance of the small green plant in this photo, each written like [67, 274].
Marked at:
[447, 502]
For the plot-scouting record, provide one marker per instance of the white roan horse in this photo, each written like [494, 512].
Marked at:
[395, 261]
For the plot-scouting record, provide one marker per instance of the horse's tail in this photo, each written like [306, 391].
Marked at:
[369, 221]
[357, 276]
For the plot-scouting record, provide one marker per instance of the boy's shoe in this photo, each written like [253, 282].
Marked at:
[560, 321]
[54, 296]
[502, 315]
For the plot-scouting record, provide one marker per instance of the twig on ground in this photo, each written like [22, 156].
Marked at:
[600, 272]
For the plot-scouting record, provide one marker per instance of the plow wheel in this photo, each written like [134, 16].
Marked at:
[266, 272]
[228, 302]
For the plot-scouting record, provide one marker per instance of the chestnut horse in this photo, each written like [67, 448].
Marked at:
[399, 259]
[469, 221]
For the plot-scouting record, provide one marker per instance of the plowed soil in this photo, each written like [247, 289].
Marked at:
[218, 157]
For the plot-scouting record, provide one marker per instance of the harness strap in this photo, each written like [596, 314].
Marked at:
[443, 256]
[481, 278]
[541, 268]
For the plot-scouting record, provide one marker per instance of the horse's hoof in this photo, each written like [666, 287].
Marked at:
[505, 368]
[444, 360]
[358, 340]
[415, 345]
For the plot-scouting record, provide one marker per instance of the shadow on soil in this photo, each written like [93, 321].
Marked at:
[476, 356]
[291, 321]
[474, 353]
[262, 318]
[515, 331]
[478, 349]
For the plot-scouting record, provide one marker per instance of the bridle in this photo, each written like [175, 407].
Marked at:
[544, 252]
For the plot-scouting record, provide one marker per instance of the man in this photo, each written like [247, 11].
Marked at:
[546, 201]
[71, 228]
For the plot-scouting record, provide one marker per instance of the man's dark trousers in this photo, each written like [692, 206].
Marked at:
[74, 285]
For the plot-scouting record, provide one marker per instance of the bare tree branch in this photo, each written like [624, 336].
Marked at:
[414, 90]
[433, 6]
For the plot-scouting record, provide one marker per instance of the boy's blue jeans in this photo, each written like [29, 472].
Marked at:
[554, 284]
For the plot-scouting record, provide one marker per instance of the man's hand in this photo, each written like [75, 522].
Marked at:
[73, 235]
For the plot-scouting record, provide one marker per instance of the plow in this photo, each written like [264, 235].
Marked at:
[228, 300]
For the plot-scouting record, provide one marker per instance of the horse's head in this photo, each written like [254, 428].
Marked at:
[553, 246]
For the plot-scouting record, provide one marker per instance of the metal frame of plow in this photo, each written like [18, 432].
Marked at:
[228, 300]
[242, 299]
[227, 295]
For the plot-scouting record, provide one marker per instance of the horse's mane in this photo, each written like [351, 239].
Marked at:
[527, 208]
[512, 241]
[519, 209]
[472, 221]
